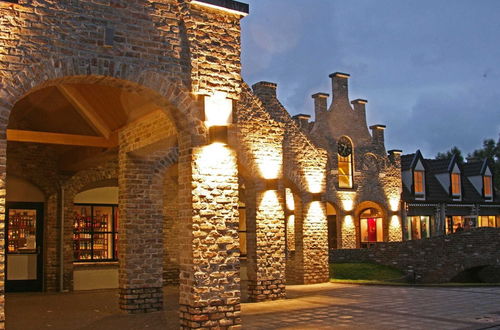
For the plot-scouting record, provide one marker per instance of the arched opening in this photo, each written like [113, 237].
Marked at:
[345, 156]
[333, 229]
[371, 226]
[72, 126]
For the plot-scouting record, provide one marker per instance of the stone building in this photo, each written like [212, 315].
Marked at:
[133, 155]
[363, 180]
[443, 196]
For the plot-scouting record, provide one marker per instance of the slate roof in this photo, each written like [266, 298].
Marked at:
[472, 168]
[406, 161]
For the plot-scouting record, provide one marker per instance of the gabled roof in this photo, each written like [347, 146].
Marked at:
[469, 193]
[409, 161]
[475, 168]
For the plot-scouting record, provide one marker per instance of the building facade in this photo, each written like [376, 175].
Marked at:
[134, 156]
[444, 196]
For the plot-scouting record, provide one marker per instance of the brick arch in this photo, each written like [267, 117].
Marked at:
[172, 94]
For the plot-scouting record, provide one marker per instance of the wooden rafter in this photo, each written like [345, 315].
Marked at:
[61, 139]
[85, 110]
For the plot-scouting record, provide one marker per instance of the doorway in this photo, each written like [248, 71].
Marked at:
[24, 246]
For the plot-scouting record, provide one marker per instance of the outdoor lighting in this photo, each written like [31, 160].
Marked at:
[317, 197]
[272, 184]
[218, 116]
[289, 199]
[269, 160]
[347, 200]
[315, 181]
[394, 204]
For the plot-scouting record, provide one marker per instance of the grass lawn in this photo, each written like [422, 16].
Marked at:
[364, 273]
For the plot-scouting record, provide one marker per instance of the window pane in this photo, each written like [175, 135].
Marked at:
[102, 247]
[455, 184]
[425, 224]
[22, 231]
[380, 230]
[487, 185]
[364, 230]
[419, 182]
[345, 171]
[102, 220]
[416, 228]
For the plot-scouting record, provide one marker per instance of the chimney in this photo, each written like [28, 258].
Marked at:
[340, 86]
[359, 106]
[320, 105]
[378, 135]
[302, 121]
[265, 89]
[395, 157]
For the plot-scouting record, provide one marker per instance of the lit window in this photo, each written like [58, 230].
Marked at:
[344, 148]
[487, 183]
[455, 184]
[487, 221]
[371, 226]
[95, 232]
[418, 227]
[418, 178]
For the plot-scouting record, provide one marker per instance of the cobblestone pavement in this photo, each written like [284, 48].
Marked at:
[322, 306]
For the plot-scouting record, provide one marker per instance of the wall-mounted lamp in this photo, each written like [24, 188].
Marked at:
[272, 184]
[217, 134]
[317, 197]
[218, 115]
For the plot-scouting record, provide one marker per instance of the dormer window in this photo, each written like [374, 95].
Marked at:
[488, 187]
[418, 183]
[455, 185]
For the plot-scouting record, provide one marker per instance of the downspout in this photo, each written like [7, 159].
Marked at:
[61, 245]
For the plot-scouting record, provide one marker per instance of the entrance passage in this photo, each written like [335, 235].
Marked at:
[371, 226]
[24, 267]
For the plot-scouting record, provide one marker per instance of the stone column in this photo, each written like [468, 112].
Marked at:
[3, 195]
[348, 231]
[208, 208]
[140, 235]
[311, 236]
[266, 243]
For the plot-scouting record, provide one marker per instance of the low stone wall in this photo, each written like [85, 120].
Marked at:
[432, 260]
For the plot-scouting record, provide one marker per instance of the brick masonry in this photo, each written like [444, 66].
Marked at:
[433, 260]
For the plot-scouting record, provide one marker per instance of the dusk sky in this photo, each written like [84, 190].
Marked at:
[430, 69]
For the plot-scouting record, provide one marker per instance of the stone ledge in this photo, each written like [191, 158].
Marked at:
[236, 6]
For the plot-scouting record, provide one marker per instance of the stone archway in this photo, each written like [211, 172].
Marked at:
[371, 223]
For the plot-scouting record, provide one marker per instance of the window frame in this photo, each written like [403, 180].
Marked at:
[113, 232]
[421, 181]
[454, 184]
[490, 186]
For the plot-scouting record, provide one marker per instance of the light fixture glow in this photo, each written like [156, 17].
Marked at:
[347, 200]
[218, 109]
[394, 204]
[315, 181]
[269, 160]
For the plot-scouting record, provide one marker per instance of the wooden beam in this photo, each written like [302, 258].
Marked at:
[60, 138]
[85, 110]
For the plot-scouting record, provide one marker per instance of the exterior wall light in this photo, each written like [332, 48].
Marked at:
[317, 197]
[272, 184]
[218, 134]
[218, 116]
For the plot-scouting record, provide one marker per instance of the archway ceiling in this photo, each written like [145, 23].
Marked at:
[89, 115]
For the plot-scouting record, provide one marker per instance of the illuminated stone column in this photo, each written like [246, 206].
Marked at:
[348, 232]
[311, 237]
[3, 191]
[210, 267]
[395, 229]
[266, 243]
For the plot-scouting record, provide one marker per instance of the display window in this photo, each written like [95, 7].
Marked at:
[95, 233]
[487, 221]
[371, 226]
[418, 227]
[455, 224]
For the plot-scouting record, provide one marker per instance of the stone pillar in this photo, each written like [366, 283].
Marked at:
[140, 235]
[348, 231]
[3, 195]
[311, 237]
[208, 208]
[266, 243]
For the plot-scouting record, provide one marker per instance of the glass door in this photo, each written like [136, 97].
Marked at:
[24, 267]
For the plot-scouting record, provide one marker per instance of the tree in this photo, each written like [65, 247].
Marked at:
[448, 154]
[490, 151]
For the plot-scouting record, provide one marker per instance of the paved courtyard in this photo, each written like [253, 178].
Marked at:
[324, 306]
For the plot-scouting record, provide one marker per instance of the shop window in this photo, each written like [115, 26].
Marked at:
[486, 221]
[455, 184]
[345, 152]
[418, 181]
[455, 224]
[487, 184]
[418, 227]
[95, 233]
[371, 226]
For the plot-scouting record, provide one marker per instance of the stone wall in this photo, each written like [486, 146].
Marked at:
[433, 260]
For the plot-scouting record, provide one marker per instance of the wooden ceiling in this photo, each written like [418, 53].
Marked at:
[80, 120]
